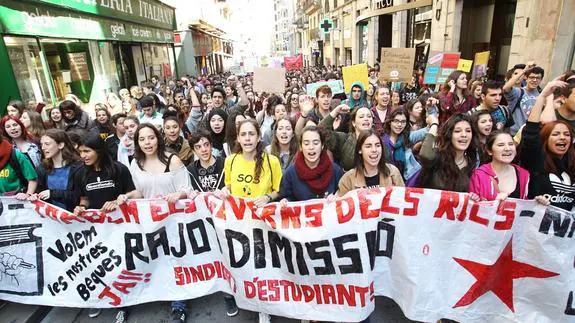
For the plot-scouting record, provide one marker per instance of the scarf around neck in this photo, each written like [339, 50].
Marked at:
[318, 178]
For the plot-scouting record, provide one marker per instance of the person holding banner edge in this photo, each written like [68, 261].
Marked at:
[98, 184]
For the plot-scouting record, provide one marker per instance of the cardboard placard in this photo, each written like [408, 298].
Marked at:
[396, 64]
[269, 79]
[355, 73]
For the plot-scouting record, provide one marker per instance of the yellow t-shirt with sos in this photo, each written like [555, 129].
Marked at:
[239, 175]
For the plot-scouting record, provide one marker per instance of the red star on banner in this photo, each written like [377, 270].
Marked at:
[498, 278]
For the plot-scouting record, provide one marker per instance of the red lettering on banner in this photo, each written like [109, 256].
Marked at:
[362, 291]
[385, 207]
[447, 205]
[107, 292]
[365, 203]
[463, 213]
[211, 205]
[506, 209]
[249, 289]
[413, 210]
[268, 215]
[313, 212]
[474, 215]
[262, 291]
[328, 292]
[308, 293]
[291, 214]
[156, 212]
[345, 295]
[341, 217]
[274, 291]
[238, 207]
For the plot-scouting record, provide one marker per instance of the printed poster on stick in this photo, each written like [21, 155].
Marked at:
[396, 64]
[355, 73]
[269, 79]
[436, 253]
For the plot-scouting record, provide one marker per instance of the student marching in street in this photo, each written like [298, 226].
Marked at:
[499, 178]
[284, 143]
[56, 174]
[103, 121]
[126, 146]
[32, 120]
[17, 175]
[547, 153]
[381, 108]
[398, 140]
[482, 121]
[522, 99]
[309, 111]
[14, 130]
[113, 139]
[357, 96]
[15, 108]
[313, 174]
[54, 119]
[252, 173]
[370, 168]
[75, 119]
[417, 114]
[275, 110]
[455, 98]
[342, 144]
[206, 175]
[175, 141]
[98, 184]
[449, 165]
[490, 99]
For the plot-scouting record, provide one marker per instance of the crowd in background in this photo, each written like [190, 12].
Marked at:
[173, 139]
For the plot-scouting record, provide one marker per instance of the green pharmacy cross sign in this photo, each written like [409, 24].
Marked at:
[326, 25]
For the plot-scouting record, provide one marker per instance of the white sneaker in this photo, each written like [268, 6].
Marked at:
[121, 316]
[265, 318]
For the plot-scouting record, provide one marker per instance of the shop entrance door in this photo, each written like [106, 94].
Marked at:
[125, 66]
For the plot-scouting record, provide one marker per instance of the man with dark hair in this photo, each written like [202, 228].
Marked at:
[149, 113]
[521, 100]
[219, 98]
[156, 83]
[147, 87]
[490, 99]
[566, 112]
[309, 110]
[207, 175]
[75, 119]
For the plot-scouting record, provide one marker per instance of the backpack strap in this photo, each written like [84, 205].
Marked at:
[518, 103]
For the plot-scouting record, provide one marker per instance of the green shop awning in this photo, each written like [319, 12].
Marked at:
[39, 19]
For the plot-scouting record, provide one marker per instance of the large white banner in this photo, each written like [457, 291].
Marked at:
[437, 254]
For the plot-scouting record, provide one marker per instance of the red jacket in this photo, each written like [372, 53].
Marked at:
[449, 105]
[484, 182]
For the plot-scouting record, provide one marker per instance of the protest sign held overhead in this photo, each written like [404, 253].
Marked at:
[439, 66]
[436, 253]
[355, 73]
[481, 62]
[293, 62]
[396, 64]
[336, 87]
[464, 65]
[269, 79]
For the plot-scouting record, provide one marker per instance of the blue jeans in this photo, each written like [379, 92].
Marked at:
[179, 305]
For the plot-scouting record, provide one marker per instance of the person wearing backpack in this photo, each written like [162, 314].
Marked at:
[17, 175]
[522, 99]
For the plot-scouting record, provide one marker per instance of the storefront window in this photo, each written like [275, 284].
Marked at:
[157, 60]
[31, 78]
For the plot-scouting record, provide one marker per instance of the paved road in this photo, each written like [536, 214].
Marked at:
[206, 309]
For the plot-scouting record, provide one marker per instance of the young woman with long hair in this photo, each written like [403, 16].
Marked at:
[55, 120]
[98, 184]
[313, 174]
[292, 105]
[370, 168]
[395, 100]
[482, 121]
[342, 144]
[500, 178]
[175, 141]
[14, 130]
[284, 143]
[32, 120]
[155, 171]
[274, 110]
[56, 175]
[417, 114]
[15, 108]
[476, 87]
[103, 121]
[548, 154]
[126, 146]
[399, 139]
[252, 172]
[75, 119]
[449, 165]
[455, 97]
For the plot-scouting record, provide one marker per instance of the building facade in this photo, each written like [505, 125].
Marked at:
[50, 48]
[283, 38]
[202, 42]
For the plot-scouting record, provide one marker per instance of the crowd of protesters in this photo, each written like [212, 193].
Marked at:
[215, 134]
